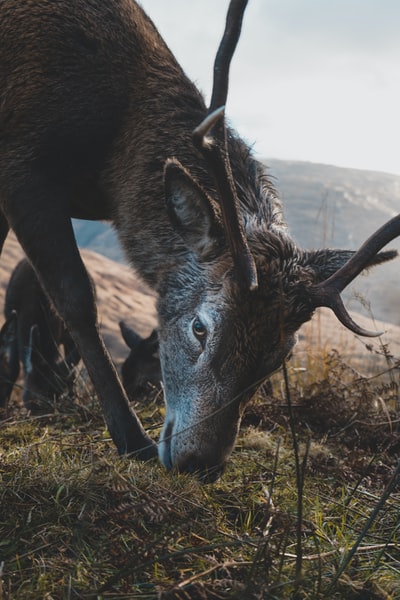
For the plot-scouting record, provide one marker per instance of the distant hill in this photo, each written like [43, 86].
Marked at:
[324, 206]
[338, 207]
[99, 237]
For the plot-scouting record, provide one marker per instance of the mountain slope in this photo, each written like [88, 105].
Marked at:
[338, 207]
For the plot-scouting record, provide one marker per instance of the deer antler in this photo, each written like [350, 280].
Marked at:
[215, 148]
[328, 292]
[225, 52]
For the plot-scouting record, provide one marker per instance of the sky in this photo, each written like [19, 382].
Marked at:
[314, 80]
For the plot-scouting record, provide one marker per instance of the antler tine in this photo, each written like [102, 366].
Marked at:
[225, 52]
[219, 167]
[327, 293]
[215, 148]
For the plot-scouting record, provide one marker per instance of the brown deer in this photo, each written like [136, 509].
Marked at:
[141, 370]
[32, 335]
[98, 121]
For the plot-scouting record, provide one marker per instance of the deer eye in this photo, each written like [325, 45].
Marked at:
[199, 330]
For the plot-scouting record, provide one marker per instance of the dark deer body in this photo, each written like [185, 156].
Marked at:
[96, 122]
[33, 333]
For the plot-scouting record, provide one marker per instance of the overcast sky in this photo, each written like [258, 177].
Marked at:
[314, 80]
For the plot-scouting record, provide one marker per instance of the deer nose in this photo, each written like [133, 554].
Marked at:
[206, 469]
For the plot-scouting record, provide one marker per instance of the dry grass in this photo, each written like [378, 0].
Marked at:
[76, 521]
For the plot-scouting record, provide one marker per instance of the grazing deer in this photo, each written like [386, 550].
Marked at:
[141, 370]
[98, 121]
[32, 334]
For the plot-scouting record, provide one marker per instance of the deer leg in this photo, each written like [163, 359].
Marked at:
[71, 354]
[44, 230]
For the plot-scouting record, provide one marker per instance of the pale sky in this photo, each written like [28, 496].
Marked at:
[315, 80]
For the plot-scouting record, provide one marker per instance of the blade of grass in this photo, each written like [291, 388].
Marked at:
[300, 471]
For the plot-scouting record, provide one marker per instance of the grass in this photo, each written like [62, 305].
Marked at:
[314, 519]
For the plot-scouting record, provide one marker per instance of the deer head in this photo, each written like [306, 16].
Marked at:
[230, 317]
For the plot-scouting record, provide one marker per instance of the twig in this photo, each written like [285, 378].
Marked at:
[360, 549]
[300, 470]
[225, 565]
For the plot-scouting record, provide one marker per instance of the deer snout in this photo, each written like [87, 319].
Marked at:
[179, 452]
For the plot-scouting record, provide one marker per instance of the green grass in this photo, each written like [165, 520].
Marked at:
[77, 521]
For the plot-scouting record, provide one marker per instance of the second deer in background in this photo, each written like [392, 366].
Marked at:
[32, 335]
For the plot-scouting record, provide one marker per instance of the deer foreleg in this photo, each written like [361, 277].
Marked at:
[45, 232]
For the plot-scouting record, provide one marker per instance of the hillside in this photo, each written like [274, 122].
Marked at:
[99, 237]
[337, 207]
[324, 206]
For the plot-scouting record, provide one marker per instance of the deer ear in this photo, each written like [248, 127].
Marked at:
[130, 337]
[191, 211]
[326, 262]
